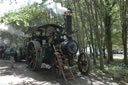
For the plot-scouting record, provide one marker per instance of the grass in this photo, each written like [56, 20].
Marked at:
[116, 69]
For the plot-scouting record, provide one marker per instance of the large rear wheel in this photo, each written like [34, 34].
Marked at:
[31, 58]
[84, 63]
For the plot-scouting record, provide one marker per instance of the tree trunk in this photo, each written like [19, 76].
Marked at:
[123, 17]
[107, 23]
[97, 34]
[108, 37]
[91, 34]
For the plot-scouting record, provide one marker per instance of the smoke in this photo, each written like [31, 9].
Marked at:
[34, 1]
[11, 30]
[55, 7]
[5, 41]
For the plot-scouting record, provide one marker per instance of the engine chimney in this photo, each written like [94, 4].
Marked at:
[68, 21]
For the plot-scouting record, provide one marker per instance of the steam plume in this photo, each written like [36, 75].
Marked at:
[55, 7]
[11, 30]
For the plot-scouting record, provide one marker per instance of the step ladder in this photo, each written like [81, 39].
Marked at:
[63, 65]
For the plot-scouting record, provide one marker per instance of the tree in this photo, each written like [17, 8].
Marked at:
[108, 24]
[123, 19]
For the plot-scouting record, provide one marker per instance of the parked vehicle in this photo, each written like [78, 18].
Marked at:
[115, 51]
[121, 51]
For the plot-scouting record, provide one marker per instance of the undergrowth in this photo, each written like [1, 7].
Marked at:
[116, 69]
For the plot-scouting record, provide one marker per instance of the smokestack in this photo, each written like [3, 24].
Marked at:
[68, 20]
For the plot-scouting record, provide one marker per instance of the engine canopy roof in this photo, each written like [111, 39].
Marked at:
[44, 28]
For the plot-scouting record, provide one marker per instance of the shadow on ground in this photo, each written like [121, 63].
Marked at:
[21, 75]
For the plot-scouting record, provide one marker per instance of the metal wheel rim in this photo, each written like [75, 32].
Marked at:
[32, 56]
[84, 67]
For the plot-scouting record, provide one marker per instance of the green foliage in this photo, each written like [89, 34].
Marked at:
[24, 17]
[36, 14]
[116, 70]
[119, 70]
[84, 19]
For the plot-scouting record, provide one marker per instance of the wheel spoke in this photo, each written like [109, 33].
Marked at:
[32, 62]
[30, 51]
[29, 57]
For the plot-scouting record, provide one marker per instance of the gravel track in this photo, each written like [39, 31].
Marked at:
[21, 75]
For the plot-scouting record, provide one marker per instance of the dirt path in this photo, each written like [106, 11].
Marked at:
[21, 75]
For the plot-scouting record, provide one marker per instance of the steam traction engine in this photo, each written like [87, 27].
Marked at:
[53, 45]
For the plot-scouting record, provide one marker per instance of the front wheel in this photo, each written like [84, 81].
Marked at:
[84, 63]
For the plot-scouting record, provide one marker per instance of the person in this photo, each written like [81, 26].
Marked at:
[15, 54]
[0, 52]
[12, 54]
[7, 53]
